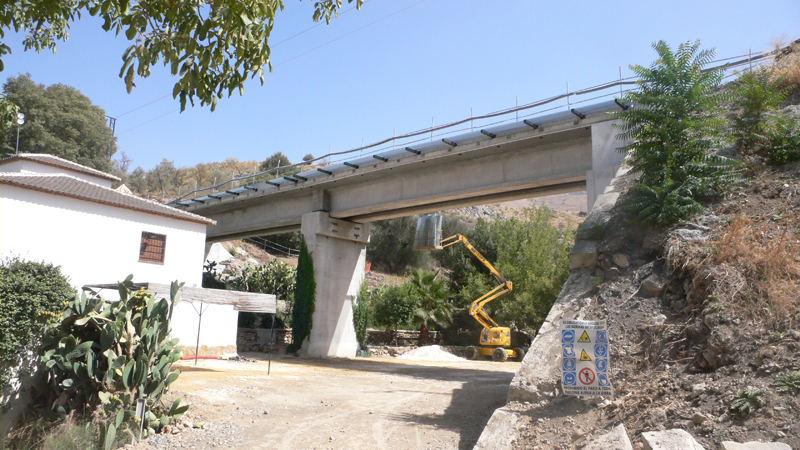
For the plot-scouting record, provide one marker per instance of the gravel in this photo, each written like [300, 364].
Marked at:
[430, 353]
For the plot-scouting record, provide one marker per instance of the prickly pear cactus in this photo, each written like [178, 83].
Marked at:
[107, 354]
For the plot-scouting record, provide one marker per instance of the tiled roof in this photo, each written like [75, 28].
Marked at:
[61, 163]
[70, 186]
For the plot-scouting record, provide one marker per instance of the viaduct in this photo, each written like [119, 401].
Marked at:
[568, 151]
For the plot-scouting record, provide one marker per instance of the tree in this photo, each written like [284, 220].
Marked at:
[432, 306]
[211, 47]
[59, 121]
[162, 178]
[390, 245]
[278, 159]
[304, 300]
[394, 306]
[308, 157]
[674, 125]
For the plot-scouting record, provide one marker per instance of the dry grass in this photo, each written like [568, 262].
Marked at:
[787, 64]
[752, 263]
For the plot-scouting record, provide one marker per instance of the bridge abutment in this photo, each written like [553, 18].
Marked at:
[338, 249]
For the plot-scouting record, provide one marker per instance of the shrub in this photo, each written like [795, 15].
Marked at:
[673, 126]
[782, 140]
[361, 307]
[756, 93]
[433, 307]
[274, 277]
[747, 402]
[107, 354]
[31, 296]
[304, 300]
[788, 382]
[394, 306]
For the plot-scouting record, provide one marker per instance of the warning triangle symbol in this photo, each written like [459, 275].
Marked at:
[584, 337]
[584, 356]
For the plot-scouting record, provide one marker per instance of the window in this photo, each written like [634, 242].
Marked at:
[152, 248]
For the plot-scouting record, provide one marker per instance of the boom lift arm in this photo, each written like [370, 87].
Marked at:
[504, 286]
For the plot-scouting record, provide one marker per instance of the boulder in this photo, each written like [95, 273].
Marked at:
[621, 261]
[616, 439]
[670, 440]
[653, 285]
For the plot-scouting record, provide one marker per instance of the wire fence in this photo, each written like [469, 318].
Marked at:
[448, 129]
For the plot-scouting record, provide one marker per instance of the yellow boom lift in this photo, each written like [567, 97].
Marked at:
[495, 340]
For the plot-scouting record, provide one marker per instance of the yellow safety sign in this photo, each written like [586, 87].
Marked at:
[584, 356]
[584, 337]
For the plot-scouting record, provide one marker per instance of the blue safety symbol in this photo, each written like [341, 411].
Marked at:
[600, 350]
[602, 380]
[601, 364]
[568, 365]
[567, 336]
[602, 337]
[569, 351]
[569, 379]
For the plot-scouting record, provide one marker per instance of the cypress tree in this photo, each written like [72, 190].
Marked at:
[304, 299]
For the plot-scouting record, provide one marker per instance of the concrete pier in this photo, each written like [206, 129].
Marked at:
[338, 248]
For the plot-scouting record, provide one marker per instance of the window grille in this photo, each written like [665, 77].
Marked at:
[152, 248]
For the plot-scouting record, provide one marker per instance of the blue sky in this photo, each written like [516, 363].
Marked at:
[432, 58]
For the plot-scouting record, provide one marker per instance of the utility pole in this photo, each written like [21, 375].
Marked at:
[20, 123]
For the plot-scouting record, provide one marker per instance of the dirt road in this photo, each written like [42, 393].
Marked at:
[364, 403]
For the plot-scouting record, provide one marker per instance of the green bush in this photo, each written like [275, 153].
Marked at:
[756, 93]
[109, 354]
[673, 126]
[31, 296]
[361, 310]
[394, 306]
[304, 300]
[788, 382]
[781, 139]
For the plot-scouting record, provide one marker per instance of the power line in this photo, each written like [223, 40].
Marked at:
[149, 121]
[348, 34]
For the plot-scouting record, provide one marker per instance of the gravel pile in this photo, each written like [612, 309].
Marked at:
[430, 353]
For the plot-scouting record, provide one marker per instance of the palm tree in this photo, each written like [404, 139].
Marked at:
[433, 307]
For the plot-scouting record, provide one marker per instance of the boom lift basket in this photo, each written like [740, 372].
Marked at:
[429, 233]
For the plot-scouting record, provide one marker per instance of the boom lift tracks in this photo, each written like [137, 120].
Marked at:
[495, 340]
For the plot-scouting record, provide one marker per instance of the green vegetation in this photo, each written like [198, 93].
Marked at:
[674, 127]
[210, 51]
[304, 300]
[59, 121]
[781, 140]
[390, 243]
[32, 293]
[532, 254]
[788, 382]
[394, 306]
[107, 354]
[746, 402]
[756, 93]
[361, 310]
[432, 303]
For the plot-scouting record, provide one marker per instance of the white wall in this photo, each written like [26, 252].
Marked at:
[22, 166]
[99, 244]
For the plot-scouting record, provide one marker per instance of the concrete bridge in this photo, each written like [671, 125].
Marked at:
[332, 206]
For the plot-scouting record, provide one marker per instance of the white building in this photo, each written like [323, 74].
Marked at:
[67, 214]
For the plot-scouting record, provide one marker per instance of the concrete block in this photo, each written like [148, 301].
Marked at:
[616, 439]
[670, 440]
[501, 431]
[540, 372]
[728, 445]
[583, 254]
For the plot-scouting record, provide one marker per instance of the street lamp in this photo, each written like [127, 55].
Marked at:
[20, 122]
